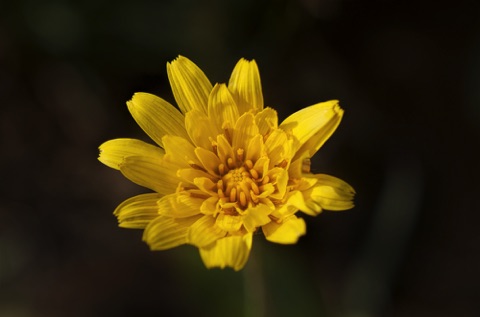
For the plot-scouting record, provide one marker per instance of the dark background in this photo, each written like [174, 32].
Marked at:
[406, 73]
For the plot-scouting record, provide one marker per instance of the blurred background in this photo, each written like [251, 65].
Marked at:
[407, 74]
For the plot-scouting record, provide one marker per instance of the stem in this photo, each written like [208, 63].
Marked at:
[254, 288]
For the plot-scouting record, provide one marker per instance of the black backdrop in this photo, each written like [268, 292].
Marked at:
[406, 73]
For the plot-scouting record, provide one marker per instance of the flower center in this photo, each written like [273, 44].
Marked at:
[238, 187]
[236, 176]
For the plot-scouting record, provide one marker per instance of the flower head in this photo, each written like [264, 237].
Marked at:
[222, 167]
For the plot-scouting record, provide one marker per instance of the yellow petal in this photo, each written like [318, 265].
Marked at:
[268, 189]
[152, 173]
[179, 151]
[179, 205]
[209, 206]
[156, 116]
[113, 152]
[246, 86]
[267, 120]
[300, 165]
[166, 232]
[279, 148]
[328, 180]
[189, 84]
[332, 193]
[286, 232]
[280, 178]
[228, 222]
[224, 149]
[261, 166]
[190, 174]
[204, 232]
[222, 109]
[305, 204]
[312, 126]
[245, 130]
[231, 251]
[255, 217]
[284, 211]
[136, 212]
[255, 149]
[208, 160]
[200, 129]
[206, 185]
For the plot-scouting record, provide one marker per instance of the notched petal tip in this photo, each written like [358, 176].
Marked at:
[156, 116]
[137, 212]
[231, 251]
[312, 126]
[332, 193]
[178, 58]
[222, 108]
[190, 85]
[246, 86]
[113, 152]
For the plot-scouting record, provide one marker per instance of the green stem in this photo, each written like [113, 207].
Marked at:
[254, 287]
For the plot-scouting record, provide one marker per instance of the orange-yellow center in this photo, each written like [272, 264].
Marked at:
[240, 183]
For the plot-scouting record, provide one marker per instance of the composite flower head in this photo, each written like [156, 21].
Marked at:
[223, 168]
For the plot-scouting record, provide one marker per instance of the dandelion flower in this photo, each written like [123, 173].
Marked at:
[223, 168]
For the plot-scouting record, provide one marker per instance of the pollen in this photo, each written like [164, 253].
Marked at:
[240, 183]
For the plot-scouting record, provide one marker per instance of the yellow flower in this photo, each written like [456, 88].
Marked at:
[223, 168]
